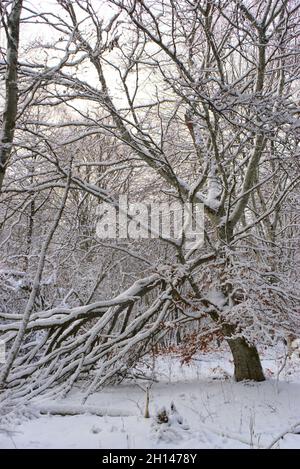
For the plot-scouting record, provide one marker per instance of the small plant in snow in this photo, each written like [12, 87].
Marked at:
[168, 425]
[95, 429]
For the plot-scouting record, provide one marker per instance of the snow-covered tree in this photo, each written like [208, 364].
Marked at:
[184, 100]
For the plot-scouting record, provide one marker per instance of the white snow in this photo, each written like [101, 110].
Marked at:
[212, 411]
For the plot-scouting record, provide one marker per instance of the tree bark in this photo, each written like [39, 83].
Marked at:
[247, 364]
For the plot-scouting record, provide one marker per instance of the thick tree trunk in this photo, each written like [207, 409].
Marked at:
[247, 365]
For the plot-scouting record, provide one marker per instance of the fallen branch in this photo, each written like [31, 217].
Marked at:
[293, 430]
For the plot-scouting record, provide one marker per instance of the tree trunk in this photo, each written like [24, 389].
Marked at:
[11, 79]
[247, 365]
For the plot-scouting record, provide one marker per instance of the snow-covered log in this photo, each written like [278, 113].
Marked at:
[67, 410]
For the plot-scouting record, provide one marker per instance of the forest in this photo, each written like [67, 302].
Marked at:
[149, 223]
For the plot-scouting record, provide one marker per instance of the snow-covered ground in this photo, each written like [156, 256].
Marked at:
[216, 411]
